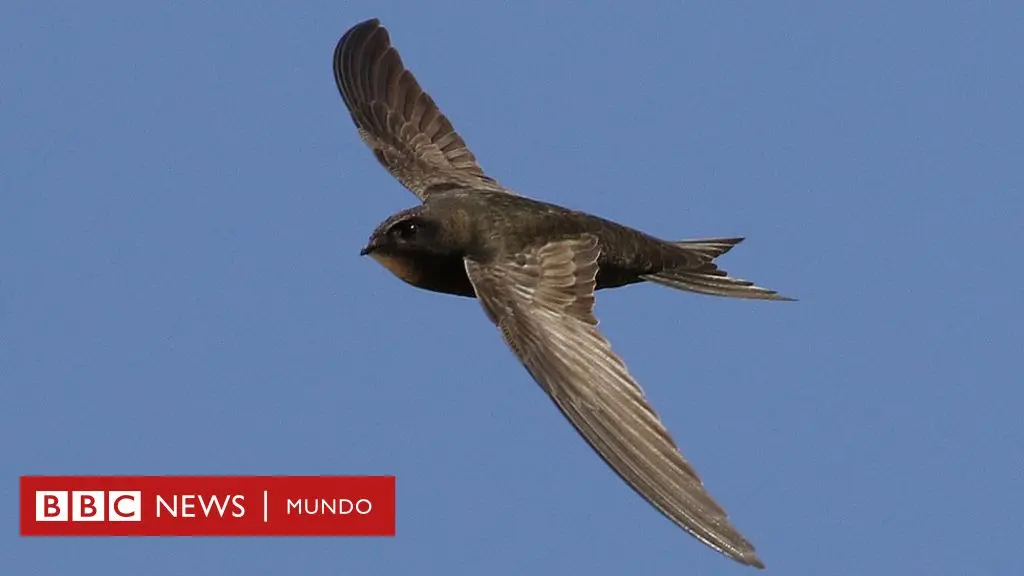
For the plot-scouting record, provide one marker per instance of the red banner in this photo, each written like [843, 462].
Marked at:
[207, 505]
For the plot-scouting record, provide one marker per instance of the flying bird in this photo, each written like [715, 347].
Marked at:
[534, 267]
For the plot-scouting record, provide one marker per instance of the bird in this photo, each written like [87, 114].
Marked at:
[534, 267]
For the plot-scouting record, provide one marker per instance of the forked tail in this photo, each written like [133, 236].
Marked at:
[708, 278]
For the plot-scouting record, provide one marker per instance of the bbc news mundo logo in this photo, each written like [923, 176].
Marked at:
[207, 505]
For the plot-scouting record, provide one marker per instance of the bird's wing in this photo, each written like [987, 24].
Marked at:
[398, 120]
[543, 304]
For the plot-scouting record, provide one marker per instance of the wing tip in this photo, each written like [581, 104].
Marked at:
[358, 34]
[356, 28]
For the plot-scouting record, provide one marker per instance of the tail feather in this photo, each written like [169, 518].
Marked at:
[710, 247]
[708, 278]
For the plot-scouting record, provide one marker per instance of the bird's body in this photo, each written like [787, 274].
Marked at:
[491, 224]
[535, 267]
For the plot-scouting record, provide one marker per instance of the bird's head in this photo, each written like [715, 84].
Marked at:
[416, 231]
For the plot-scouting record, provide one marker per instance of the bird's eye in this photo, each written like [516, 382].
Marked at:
[405, 230]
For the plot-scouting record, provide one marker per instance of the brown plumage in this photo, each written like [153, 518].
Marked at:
[535, 268]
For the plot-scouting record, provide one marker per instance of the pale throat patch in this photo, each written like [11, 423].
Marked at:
[403, 267]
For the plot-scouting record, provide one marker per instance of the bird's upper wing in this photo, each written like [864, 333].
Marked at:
[543, 302]
[398, 120]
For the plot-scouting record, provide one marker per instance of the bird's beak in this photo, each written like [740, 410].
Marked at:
[370, 247]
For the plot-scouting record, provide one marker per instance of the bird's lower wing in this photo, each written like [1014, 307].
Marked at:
[543, 305]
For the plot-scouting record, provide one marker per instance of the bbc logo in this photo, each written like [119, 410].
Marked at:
[89, 506]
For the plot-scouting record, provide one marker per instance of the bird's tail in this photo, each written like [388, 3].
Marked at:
[709, 279]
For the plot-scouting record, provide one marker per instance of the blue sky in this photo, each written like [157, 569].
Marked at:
[183, 198]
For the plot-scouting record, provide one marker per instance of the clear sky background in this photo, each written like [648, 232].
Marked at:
[183, 198]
